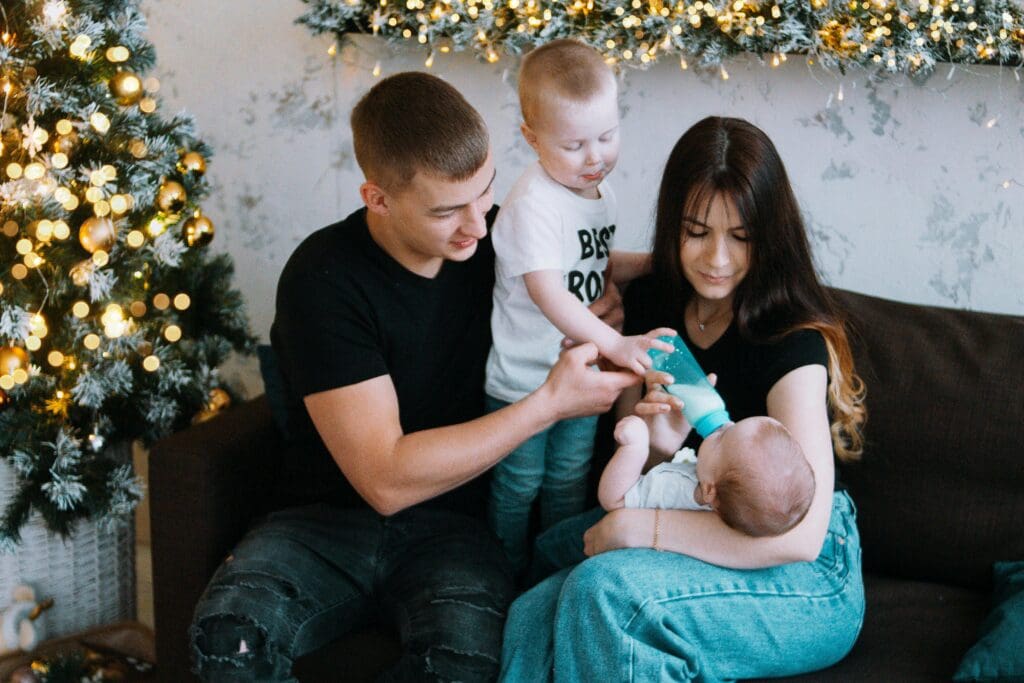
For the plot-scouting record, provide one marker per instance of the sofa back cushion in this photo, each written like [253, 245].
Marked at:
[940, 487]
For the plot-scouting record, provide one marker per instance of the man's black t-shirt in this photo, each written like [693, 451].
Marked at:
[348, 312]
[746, 370]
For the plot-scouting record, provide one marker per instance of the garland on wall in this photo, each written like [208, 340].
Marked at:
[895, 36]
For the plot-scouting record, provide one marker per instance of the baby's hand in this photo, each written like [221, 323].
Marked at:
[631, 431]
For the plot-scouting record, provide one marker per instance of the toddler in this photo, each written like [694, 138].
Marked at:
[553, 240]
[753, 473]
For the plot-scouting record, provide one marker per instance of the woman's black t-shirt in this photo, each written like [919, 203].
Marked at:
[746, 370]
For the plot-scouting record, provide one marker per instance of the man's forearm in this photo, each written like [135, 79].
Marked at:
[427, 463]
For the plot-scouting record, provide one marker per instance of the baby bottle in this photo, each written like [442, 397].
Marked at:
[702, 406]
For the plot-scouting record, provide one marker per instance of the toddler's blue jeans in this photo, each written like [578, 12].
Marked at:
[554, 464]
[306, 576]
[643, 615]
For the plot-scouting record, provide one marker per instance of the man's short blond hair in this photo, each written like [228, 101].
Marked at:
[414, 122]
[565, 69]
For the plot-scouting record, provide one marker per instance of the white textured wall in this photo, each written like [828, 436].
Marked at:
[902, 184]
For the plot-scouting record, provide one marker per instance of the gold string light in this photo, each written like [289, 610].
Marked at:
[895, 35]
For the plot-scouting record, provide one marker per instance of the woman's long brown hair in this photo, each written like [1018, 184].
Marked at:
[781, 292]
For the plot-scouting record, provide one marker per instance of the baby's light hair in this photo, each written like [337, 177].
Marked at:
[767, 485]
[566, 69]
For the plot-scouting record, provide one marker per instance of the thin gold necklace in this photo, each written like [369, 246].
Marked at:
[702, 324]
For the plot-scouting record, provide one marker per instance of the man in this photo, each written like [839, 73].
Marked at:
[382, 330]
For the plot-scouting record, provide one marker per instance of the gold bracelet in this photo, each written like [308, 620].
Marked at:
[657, 528]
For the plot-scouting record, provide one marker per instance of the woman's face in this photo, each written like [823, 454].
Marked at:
[714, 249]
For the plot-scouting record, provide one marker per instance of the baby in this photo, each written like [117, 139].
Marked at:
[553, 242]
[753, 473]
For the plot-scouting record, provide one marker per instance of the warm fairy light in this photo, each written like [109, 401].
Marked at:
[118, 203]
[20, 375]
[37, 324]
[64, 127]
[80, 309]
[32, 342]
[161, 301]
[135, 239]
[147, 105]
[172, 333]
[34, 171]
[182, 301]
[137, 309]
[59, 160]
[151, 85]
[23, 246]
[61, 230]
[19, 271]
[101, 208]
[156, 227]
[91, 342]
[33, 260]
[100, 122]
[56, 359]
[6, 382]
[151, 363]
[14, 170]
[100, 258]
[118, 54]
[44, 230]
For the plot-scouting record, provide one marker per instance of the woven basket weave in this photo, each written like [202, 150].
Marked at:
[90, 576]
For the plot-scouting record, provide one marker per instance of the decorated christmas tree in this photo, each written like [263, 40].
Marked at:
[114, 314]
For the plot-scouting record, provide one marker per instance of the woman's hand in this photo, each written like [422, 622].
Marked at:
[622, 528]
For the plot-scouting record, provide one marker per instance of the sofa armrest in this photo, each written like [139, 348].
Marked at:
[207, 483]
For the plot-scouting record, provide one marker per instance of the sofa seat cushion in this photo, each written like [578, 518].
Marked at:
[913, 631]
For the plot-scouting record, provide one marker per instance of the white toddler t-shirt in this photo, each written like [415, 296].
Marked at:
[542, 225]
[668, 485]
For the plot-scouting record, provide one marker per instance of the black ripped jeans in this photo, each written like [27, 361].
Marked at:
[306, 576]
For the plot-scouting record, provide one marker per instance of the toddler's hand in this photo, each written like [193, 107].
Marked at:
[631, 353]
[631, 431]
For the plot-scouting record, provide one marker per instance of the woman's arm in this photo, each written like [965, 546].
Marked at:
[797, 401]
[628, 265]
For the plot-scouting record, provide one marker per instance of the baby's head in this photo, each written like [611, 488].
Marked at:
[569, 101]
[755, 475]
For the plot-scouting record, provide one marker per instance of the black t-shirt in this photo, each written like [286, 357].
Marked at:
[746, 370]
[348, 312]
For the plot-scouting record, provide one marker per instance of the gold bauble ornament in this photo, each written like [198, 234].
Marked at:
[97, 233]
[219, 399]
[192, 162]
[12, 358]
[126, 88]
[5, 400]
[171, 197]
[198, 231]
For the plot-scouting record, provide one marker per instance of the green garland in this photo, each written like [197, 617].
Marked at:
[882, 35]
[113, 316]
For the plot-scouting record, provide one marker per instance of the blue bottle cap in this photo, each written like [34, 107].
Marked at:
[711, 422]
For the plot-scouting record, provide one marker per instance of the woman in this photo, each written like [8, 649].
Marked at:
[733, 272]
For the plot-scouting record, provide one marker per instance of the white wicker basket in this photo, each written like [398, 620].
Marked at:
[91, 576]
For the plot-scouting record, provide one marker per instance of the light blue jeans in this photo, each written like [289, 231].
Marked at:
[644, 615]
[553, 464]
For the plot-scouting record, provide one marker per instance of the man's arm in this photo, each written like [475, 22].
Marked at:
[391, 470]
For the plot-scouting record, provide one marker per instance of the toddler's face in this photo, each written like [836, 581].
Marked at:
[578, 142]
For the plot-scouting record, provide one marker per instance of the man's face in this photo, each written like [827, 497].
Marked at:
[434, 219]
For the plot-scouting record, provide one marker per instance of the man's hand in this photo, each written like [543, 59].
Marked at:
[573, 389]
